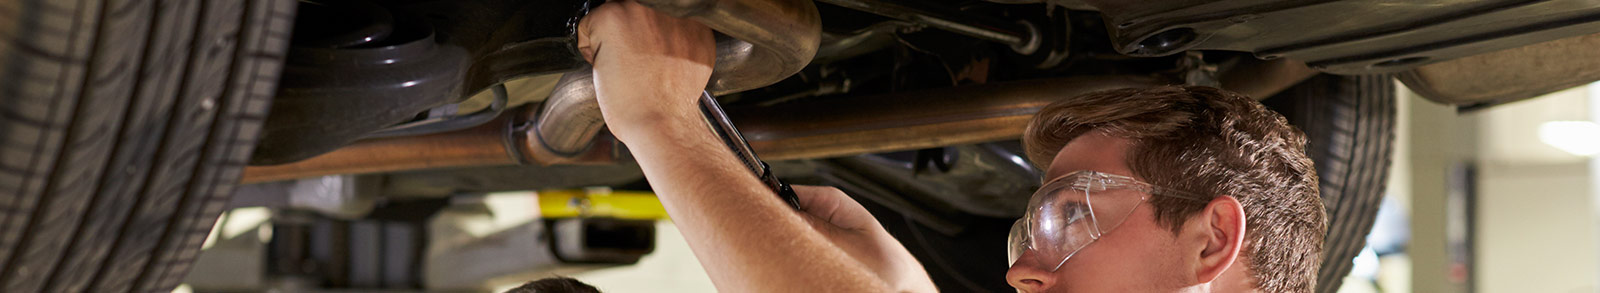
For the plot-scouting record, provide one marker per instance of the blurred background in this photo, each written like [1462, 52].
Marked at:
[1490, 200]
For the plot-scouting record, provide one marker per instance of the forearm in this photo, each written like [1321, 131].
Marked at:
[748, 239]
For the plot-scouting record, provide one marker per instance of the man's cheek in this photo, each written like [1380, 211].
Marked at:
[1116, 263]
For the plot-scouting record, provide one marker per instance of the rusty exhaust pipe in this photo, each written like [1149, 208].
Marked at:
[481, 145]
[761, 42]
[804, 129]
[912, 120]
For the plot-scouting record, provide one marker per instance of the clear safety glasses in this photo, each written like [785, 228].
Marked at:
[1072, 211]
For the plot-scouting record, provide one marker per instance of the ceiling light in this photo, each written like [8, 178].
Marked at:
[1577, 137]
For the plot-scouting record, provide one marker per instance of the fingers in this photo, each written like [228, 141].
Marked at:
[585, 47]
[588, 44]
[596, 22]
[834, 206]
[636, 27]
[815, 200]
[646, 64]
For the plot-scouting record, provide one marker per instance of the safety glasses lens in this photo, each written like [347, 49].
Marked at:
[1063, 218]
[1017, 241]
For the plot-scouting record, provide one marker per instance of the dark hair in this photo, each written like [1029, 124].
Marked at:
[554, 285]
[1209, 142]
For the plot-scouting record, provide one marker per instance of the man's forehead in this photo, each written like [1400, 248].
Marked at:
[1094, 150]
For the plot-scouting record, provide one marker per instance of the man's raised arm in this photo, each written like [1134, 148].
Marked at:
[649, 71]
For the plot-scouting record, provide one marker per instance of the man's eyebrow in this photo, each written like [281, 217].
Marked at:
[1050, 175]
[1053, 176]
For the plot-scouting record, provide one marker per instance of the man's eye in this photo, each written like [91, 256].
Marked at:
[1073, 209]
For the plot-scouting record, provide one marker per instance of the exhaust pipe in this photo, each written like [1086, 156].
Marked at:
[761, 42]
[912, 120]
[799, 130]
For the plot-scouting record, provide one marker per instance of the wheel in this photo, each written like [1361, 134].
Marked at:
[124, 128]
[1349, 126]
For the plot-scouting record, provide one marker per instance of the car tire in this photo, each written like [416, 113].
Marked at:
[125, 127]
[1349, 127]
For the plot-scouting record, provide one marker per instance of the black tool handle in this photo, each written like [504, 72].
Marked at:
[784, 191]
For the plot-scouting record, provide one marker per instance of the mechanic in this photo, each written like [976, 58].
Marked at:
[1231, 202]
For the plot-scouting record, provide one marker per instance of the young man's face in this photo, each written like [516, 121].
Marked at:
[1140, 255]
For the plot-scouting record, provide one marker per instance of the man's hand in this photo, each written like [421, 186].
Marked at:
[850, 227]
[647, 64]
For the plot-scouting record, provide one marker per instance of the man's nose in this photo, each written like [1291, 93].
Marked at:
[1026, 276]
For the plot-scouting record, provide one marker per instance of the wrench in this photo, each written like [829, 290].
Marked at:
[723, 127]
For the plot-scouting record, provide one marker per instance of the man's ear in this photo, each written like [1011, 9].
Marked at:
[1222, 225]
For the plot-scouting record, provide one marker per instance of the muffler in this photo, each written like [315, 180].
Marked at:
[761, 42]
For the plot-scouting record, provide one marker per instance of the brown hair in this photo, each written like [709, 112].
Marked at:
[1209, 142]
[556, 284]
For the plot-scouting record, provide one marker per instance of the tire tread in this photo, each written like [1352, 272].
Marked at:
[1349, 123]
[125, 126]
